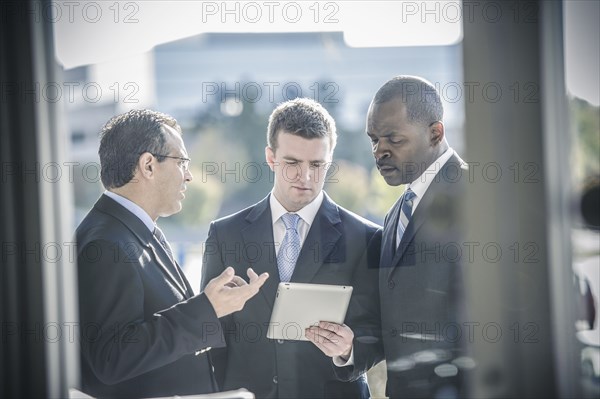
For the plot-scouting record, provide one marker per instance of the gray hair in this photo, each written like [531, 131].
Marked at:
[125, 137]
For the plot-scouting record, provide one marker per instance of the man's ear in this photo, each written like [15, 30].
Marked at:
[270, 157]
[146, 165]
[436, 132]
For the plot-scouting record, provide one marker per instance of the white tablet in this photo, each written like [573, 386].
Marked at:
[299, 306]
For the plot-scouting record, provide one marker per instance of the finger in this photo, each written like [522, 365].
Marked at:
[316, 340]
[238, 281]
[247, 291]
[224, 277]
[327, 325]
[339, 329]
[328, 329]
[312, 335]
[323, 335]
[259, 281]
[251, 274]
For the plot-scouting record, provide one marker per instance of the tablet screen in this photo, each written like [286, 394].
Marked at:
[299, 306]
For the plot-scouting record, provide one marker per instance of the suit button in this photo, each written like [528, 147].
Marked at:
[280, 341]
[391, 284]
[275, 380]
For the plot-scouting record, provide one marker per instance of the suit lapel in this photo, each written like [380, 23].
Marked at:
[169, 269]
[259, 234]
[145, 237]
[418, 218]
[322, 244]
[414, 224]
[388, 246]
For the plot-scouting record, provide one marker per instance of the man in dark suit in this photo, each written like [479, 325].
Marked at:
[323, 243]
[144, 332]
[420, 275]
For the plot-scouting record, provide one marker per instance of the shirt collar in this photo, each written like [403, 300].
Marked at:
[133, 208]
[307, 214]
[420, 185]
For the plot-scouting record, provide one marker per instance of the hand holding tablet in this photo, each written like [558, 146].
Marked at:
[334, 340]
[299, 306]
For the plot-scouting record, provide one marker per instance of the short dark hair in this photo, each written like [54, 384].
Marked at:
[301, 117]
[125, 137]
[421, 99]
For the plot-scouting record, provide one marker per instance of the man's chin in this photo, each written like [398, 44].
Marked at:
[300, 203]
[176, 209]
[393, 180]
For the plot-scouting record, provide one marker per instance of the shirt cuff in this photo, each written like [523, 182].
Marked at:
[340, 362]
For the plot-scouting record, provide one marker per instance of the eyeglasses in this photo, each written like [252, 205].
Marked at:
[184, 163]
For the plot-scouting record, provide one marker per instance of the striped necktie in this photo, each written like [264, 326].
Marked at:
[163, 241]
[290, 247]
[174, 267]
[405, 214]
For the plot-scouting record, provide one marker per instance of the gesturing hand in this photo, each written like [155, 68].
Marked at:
[228, 293]
[333, 339]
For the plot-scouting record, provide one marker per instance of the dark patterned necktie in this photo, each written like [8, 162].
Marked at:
[405, 214]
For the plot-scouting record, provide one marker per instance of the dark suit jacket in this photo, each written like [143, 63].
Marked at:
[420, 292]
[340, 248]
[140, 324]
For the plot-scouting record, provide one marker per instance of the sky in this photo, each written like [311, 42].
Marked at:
[107, 30]
[118, 34]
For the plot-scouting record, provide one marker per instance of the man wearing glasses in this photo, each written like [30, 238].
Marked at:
[144, 332]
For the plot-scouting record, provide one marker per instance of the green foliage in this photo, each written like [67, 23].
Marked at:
[585, 128]
[381, 195]
[202, 202]
[348, 184]
[361, 190]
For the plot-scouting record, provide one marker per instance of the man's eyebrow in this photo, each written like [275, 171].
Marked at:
[386, 133]
[290, 158]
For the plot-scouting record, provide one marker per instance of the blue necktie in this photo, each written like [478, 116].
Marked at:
[405, 214]
[290, 247]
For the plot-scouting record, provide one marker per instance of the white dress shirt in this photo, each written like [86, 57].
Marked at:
[146, 219]
[133, 208]
[420, 185]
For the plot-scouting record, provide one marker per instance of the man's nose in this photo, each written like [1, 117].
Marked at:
[305, 173]
[380, 151]
[188, 175]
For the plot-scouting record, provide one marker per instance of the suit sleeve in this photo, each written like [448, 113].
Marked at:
[364, 314]
[212, 266]
[117, 340]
